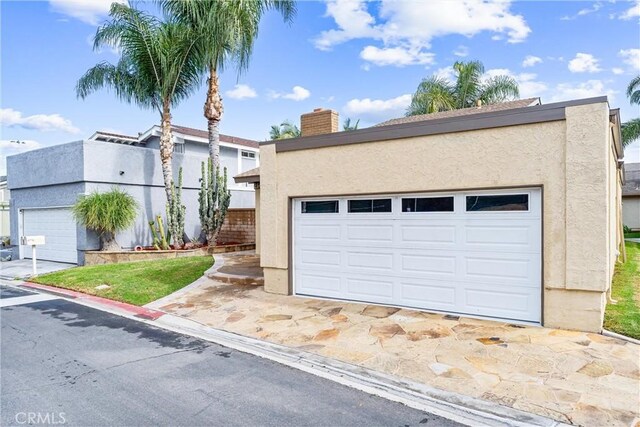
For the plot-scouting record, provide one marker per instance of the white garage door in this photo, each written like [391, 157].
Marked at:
[473, 253]
[59, 229]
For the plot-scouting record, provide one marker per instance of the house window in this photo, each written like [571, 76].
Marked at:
[427, 204]
[369, 205]
[178, 148]
[248, 154]
[510, 202]
[324, 206]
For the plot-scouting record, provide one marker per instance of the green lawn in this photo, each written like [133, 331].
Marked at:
[624, 317]
[632, 235]
[136, 283]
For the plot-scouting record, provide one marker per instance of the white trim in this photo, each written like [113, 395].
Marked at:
[155, 131]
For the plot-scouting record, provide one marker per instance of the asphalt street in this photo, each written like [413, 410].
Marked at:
[63, 363]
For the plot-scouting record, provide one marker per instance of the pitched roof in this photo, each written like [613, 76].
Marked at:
[631, 179]
[252, 176]
[520, 103]
[224, 138]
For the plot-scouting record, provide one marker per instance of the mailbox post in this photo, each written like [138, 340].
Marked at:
[33, 241]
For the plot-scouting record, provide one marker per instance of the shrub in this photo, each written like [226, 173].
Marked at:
[106, 214]
[626, 229]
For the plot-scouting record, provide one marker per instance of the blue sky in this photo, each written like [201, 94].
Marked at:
[363, 59]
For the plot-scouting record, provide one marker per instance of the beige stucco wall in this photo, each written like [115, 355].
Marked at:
[257, 196]
[569, 159]
[631, 212]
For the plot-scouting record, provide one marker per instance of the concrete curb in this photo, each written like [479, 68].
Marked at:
[610, 334]
[456, 407]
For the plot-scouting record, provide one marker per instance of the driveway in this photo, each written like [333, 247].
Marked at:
[65, 363]
[574, 377]
[23, 268]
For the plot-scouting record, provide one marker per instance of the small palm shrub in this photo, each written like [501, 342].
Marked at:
[106, 214]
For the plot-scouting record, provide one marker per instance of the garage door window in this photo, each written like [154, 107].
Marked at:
[427, 204]
[369, 205]
[324, 206]
[501, 203]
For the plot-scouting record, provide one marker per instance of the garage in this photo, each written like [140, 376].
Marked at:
[471, 253]
[59, 229]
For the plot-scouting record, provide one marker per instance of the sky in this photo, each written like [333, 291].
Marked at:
[362, 59]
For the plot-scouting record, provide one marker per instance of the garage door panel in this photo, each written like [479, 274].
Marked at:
[375, 261]
[59, 228]
[374, 290]
[496, 303]
[422, 235]
[484, 263]
[428, 265]
[439, 294]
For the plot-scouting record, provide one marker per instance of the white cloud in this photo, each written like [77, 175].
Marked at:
[446, 73]
[397, 56]
[11, 147]
[528, 86]
[241, 91]
[377, 109]
[530, 61]
[298, 93]
[461, 51]
[89, 11]
[584, 63]
[632, 12]
[617, 70]
[582, 12]
[632, 152]
[588, 89]
[42, 122]
[631, 57]
[411, 26]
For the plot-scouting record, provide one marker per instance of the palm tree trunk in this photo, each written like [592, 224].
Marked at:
[108, 242]
[213, 113]
[166, 149]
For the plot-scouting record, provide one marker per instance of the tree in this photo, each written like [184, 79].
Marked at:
[284, 131]
[228, 30]
[471, 85]
[631, 129]
[159, 66]
[346, 126]
[106, 214]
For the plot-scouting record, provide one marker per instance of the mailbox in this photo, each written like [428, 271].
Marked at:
[32, 240]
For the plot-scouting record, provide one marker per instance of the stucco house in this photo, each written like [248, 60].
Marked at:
[631, 196]
[45, 183]
[4, 207]
[508, 211]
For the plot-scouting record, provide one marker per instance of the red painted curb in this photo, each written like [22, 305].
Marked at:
[142, 312]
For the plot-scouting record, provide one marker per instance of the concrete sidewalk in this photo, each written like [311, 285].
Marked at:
[22, 268]
[573, 377]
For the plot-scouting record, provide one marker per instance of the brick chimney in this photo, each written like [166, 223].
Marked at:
[318, 122]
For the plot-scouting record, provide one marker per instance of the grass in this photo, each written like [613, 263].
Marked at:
[136, 283]
[632, 235]
[624, 316]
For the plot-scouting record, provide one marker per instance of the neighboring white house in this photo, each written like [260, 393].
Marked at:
[4, 207]
[45, 183]
[631, 196]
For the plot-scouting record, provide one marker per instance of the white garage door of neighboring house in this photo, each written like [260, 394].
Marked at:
[473, 253]
[59, 229]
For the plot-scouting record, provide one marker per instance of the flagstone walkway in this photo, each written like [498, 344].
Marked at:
[578, 378]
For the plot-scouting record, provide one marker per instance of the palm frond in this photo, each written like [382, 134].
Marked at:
[499, 89]
[633, 90]
[433, 94]
[630, 131]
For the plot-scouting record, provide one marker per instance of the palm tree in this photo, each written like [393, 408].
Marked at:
[159, 66]
[631, 129]
[228, 30]
[284, 131]
[438, 94]
[346, 126]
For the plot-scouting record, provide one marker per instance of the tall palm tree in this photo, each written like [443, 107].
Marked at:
[438, 94]
[159, 66]
[631, 129]
[284, 131]
[228, 29]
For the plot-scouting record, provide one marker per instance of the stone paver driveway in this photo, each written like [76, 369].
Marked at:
[579, 378]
